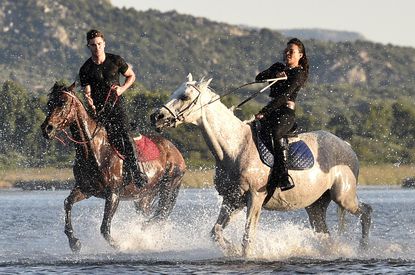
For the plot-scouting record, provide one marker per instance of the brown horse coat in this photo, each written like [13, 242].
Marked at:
[98, 169]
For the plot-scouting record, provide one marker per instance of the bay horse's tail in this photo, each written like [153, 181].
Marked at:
[169, 190]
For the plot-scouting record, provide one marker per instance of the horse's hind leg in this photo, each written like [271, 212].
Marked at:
[75, 196]
[317, 213]
[111, 204]
[365, 212]
[342, 220]
[344, 194]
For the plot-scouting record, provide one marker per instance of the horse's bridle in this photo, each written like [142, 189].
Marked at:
[66, 119]
[179, 116]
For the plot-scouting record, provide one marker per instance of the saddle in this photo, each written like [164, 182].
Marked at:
[300, 156]
[147, 150]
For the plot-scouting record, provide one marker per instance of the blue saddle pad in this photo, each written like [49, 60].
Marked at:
[300, 156]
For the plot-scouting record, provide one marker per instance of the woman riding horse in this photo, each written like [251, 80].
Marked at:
[241, 176]
[278, 116]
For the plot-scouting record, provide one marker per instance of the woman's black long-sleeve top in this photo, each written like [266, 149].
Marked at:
[282, 91]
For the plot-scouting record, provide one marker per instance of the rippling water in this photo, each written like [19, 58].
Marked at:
[32, 238]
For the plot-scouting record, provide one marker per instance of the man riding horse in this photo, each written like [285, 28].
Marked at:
[100, 80]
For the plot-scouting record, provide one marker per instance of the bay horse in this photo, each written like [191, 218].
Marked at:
[98, 168]
[241, 177]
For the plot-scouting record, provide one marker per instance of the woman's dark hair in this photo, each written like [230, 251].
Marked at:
[93, 34]
[303, 60]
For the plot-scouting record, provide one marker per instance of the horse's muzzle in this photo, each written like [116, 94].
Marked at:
[48, 130]
[158, 120]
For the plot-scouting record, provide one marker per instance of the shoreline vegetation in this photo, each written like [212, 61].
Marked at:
[55, 178]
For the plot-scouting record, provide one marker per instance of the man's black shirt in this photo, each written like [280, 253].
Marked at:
[101, 76]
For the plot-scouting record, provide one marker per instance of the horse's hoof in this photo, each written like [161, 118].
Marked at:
[75, 245]
[364, 244]
[115, 246]
[233, 251]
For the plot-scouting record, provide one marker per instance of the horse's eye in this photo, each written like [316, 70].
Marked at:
[61, 103]
[184, 97]
[56, 104]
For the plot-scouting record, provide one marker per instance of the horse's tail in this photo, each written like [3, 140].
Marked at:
[169, 190]
[341, 215]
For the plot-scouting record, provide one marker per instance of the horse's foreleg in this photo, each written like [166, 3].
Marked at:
[253, 212]
[225, 214]
[75, 196]
[111, 204]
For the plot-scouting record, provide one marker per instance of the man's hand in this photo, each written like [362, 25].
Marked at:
[259, 116]
[90, 101]
[118, 90]
[94, 109]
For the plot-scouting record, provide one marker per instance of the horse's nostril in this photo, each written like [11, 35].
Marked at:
[154, 117]
[49, 128]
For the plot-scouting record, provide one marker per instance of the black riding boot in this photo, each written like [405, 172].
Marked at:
[280, 169]
[131, 171]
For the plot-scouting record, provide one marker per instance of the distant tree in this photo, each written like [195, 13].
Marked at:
[340, 126]
[377, 123]
[14, 117]
[403, 123]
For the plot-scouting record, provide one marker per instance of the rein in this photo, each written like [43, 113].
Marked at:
[179, 115]
[273, 81]
[97, 129]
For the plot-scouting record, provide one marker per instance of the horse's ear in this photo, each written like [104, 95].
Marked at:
[72, 87]
[208, 82]
[189, 77]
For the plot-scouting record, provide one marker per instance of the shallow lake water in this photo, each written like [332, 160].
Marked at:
[32, 238]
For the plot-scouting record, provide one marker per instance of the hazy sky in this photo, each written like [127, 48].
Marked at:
[384, 21]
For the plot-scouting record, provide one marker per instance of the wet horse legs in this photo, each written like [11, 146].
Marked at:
[111, 204]
[227, 210]
[75, 196]
[349, 201]
[254, 206]
[317, 213]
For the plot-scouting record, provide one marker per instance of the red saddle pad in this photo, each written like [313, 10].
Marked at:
[146, 149]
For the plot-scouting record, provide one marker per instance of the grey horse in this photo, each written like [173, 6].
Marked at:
[241, 177]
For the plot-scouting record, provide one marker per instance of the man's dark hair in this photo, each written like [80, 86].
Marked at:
[93, 34]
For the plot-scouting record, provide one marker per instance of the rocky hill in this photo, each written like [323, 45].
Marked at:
[44, 40]
[324, 35]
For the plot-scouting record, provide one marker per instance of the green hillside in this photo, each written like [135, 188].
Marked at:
[362, 91]
[43, 40]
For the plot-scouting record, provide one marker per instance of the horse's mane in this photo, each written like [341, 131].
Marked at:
[58, 88]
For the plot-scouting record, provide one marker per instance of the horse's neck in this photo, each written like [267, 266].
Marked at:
[224, 133]
[88, 132]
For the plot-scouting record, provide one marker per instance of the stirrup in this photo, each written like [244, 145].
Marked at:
[289, 182]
